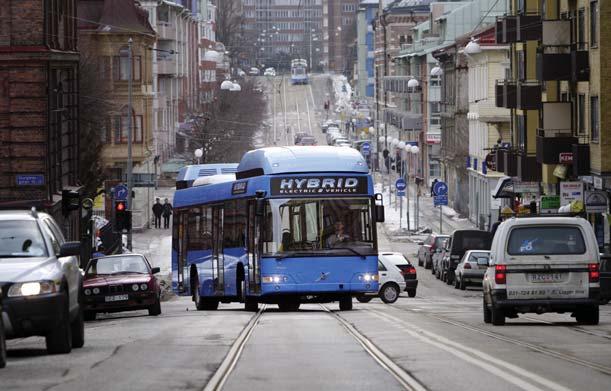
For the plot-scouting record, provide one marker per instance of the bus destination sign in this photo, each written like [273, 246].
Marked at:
[323, 185]
[239, 187]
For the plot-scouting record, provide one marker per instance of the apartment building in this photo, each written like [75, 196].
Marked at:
[340, 34]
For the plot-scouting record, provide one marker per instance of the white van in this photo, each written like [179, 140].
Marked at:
[542, 264]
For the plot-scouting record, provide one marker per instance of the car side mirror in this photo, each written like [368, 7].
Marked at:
[155, 270]
[69, 249]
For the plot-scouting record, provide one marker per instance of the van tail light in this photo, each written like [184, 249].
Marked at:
[594, 272]
[467, 265]
[500, 274]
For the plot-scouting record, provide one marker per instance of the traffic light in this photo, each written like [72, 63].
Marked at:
[123, 217]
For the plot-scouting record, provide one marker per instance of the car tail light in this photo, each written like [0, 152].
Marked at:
[500, 274]
[594, 272]
[411, 270]
[467, 265]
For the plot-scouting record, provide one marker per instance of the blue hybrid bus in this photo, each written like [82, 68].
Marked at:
[299, 71]
[190, 173]
[297, 225]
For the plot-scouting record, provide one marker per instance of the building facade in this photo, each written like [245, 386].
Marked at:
[39, 135]
[340, 34]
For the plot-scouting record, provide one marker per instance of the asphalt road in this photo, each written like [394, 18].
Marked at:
[435, 341]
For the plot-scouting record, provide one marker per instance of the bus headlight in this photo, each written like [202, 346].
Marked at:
[274, 279]
[367, 277]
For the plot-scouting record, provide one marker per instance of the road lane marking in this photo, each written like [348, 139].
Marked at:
[487, 362]
[404, 378]
[570, 327]
[217, 381]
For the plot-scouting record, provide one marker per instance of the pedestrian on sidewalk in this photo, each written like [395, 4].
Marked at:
[167, 212]
[157, 211]
[433, 187]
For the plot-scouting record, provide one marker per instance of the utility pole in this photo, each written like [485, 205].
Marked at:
[129, 139]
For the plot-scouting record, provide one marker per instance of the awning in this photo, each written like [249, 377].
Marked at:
[504, 188]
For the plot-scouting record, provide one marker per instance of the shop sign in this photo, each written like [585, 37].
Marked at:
[598, 182]
[433, 138]
[596, 202]
[570, 191]
[550, 204]
[565, 158]
[526, 187]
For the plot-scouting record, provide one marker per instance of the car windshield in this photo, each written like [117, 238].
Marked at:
[396, 259]
[319, 227]
[477, 257]
[21, 239]
[117, 265]
[541, 240]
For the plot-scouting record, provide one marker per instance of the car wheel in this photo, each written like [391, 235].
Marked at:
[89, 315]
[155, 309]
[251, 304]
[364, 299]
[433, 269]
[2, 345]
[59, 340]
[588, 316]
[389, 293]
[449, 278]
[345, 303]
[463, 285]
[411, 293]
[456, 282]
[78, 330]
[487, 314]
[437, 274]
[497, 316]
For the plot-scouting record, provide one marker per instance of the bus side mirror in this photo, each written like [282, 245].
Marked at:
[379, 208]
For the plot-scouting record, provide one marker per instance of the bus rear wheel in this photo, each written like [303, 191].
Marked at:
[289, 306]
[345, 303]
[205, 304]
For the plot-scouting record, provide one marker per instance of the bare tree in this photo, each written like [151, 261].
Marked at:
[95, 106]
[227, 131]
[229, 25]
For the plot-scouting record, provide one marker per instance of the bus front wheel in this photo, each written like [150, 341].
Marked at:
[251, 304]
[345, 303]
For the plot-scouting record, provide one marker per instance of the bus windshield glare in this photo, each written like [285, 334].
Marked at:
[318, 227]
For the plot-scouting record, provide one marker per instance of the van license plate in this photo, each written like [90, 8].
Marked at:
[546, 277]
[109, 299]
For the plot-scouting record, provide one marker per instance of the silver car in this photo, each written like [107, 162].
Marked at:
[41, 281]
[471, 269]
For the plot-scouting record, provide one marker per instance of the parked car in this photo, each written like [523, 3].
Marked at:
[254, 71]
[471, 269]
[394, 271]
[428, 247]
[457, 245]
[2, 338]
[543, 264]
[605, 278]
[298, 137]
[324, 127]
[118, 283]
[437, 257]
[41, 281]
[307, 140]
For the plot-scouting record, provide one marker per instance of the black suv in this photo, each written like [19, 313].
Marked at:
[457, 245]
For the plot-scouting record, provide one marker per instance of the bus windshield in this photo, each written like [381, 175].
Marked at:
[319, 227]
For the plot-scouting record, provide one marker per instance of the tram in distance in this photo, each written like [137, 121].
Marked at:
[299, 68]
[297, 225]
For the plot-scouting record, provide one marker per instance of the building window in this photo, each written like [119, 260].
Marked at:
[581, 32]
[435, 81]
[594, 24]
[120, 128]
[581, 114]
[594, 118]
[104, 67]
[121, 67]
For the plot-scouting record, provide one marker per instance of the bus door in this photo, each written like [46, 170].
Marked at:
[218, 259]
[180, 236]
[254, 252]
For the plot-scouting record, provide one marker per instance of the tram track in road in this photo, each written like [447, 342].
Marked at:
[219, 378]
[403, 377]
[531, 346]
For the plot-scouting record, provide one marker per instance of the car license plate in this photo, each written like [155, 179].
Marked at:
[116, 298]
[546, 277]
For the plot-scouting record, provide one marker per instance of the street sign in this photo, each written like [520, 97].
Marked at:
[400, 193]
[366, 149]
[440, 189]
[440, 200]
[596, 202]
[30, 180]
[120, 192]
[400, 184]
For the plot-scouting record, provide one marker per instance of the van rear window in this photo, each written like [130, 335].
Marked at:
[543, 240]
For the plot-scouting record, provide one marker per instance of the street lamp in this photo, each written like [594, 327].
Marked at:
[198, 154]
[227, 85]
[473, 47]
[436, 71]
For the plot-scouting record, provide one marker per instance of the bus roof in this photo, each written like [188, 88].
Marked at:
[301, 159]
[213, 179]
[194, 171]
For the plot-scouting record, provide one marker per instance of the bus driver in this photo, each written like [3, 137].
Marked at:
[338, 235]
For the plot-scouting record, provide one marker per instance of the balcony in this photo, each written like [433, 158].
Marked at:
[510, 163]
[403, 120]
[166, 66]
[581, 159]
[555, 137]
[529, 28]
[398, 85]
[529, 170]
[528, 95]
[506, 29]
[505, 92]
[554, 66]
[580, 63]
[166, 31]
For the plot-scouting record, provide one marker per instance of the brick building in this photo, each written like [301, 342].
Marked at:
[38, 106]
